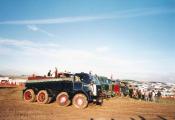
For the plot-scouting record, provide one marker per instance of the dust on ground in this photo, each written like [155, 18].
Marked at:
[12, 107]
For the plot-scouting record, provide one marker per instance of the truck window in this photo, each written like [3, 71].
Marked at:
[85, 78]
[95, 80]
[77, 78]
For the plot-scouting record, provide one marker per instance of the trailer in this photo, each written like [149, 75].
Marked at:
[78, 89]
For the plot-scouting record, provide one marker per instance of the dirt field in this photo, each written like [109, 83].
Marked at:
[12, 107]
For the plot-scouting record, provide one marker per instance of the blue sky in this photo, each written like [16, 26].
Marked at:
[129, 39]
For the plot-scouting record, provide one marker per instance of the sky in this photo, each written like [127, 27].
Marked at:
[129, 39]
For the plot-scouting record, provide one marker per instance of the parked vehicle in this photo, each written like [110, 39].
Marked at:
[107, 87]
[124, 88]
[78, 89]
[117, 87]
[111, 87]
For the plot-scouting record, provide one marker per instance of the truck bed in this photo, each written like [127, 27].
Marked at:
[48, 80]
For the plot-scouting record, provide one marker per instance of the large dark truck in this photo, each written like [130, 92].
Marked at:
[79, 89]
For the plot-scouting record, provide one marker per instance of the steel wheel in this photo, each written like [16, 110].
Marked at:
[42, 97]
[63, 99]
[80, 101]
[29, 96]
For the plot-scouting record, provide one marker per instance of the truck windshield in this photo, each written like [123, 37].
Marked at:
[104, 81]
[85, 78]
[109, 81]
[88, 79]
[95, 80]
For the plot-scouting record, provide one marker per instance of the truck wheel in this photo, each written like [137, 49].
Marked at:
[49, 100]
[99, 101]
[42, 97]
[29, 96]
[63, 99]
[80, 101]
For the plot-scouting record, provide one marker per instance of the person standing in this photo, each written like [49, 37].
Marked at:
[139, 94]
[150, 96]
[158, 95]
[56, 72]
[146, 95]
[153, 96]
[130, 92]
[142, 94]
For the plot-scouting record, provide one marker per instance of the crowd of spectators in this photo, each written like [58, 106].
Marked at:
[141, 94]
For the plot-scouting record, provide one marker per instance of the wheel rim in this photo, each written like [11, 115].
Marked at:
[28, 95]
[79, 101]
[63, 99]
[41, 97]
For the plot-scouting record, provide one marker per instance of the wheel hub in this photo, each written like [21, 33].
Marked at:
[80, 101]
[28, 95]
[41, 97]
[63, 99]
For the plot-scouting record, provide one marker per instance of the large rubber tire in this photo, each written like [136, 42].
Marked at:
[63, 99]
[80, 101]
[42, 97]
[29, 96]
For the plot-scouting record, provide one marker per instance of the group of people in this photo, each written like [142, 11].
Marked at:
[147, 95]
[50, 73]
[57, 74]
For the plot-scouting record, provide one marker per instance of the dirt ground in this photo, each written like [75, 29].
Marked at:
[12, 107]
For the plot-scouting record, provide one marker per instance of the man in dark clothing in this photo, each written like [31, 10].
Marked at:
[158, 96]
[49, 73]
[130, 92]
[139, 94]
[150, 96]
[56, 72]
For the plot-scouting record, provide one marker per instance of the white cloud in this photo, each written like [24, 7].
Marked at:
[27, 43]
[116, 15]
[37, 29]
[15, 42]
[102, 49]
[43, 54]
[55, 20]
[40, 57]
[32, 27]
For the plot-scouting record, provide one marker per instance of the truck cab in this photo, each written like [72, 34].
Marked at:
[90, 85]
